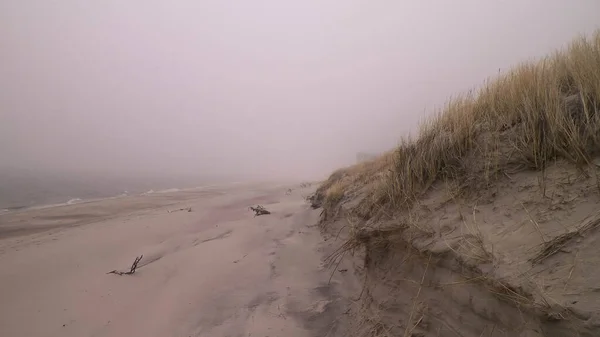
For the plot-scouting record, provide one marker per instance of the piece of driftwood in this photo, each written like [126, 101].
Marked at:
[131, 269]
[189, 209]
[259, 210]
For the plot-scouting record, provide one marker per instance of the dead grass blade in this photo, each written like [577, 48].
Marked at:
[410, 327]
[558, 243]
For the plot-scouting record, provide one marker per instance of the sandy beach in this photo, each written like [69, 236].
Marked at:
[214, 271]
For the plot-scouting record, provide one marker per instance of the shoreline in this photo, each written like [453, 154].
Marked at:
[26, 221]
[78, 201]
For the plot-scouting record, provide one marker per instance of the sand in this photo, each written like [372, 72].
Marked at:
[214, 271]
[517, 259]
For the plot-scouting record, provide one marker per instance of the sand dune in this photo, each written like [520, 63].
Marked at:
[485, 223]
[215, 271]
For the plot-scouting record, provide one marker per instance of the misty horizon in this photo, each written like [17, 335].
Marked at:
[261, 89]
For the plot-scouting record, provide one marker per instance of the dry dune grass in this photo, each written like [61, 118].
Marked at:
[526, 120]
[344, 180]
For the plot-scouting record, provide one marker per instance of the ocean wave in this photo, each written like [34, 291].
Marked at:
[73, 201]
[169, 190]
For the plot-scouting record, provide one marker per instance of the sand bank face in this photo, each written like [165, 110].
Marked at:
[215, 271]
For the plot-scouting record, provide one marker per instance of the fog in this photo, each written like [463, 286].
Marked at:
[262, 88]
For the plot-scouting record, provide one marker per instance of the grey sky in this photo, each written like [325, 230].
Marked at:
[263, 87]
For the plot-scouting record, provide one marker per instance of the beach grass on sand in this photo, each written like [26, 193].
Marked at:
[501, 179]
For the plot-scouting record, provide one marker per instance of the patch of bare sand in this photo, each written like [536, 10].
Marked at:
[215, 271]
[520, 259]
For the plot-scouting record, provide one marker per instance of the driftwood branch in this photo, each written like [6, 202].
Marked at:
[189, 209]
[259, 210]
[131, 269]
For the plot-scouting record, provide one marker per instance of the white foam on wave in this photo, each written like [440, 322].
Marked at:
[73, 201]
[169, 190]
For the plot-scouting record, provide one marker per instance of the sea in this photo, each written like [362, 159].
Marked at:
[29, 188]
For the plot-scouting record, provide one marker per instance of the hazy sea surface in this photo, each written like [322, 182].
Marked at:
[21, 189]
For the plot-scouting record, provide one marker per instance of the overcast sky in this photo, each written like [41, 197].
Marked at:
[268, 87]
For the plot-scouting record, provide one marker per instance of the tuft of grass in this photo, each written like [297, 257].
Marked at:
[334, 194]
[349, 179]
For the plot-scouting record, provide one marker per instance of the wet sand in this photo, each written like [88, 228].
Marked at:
[215, 271]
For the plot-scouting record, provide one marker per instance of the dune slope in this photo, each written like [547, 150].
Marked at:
[486, 223]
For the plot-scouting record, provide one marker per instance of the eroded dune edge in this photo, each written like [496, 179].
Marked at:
[486, 223]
